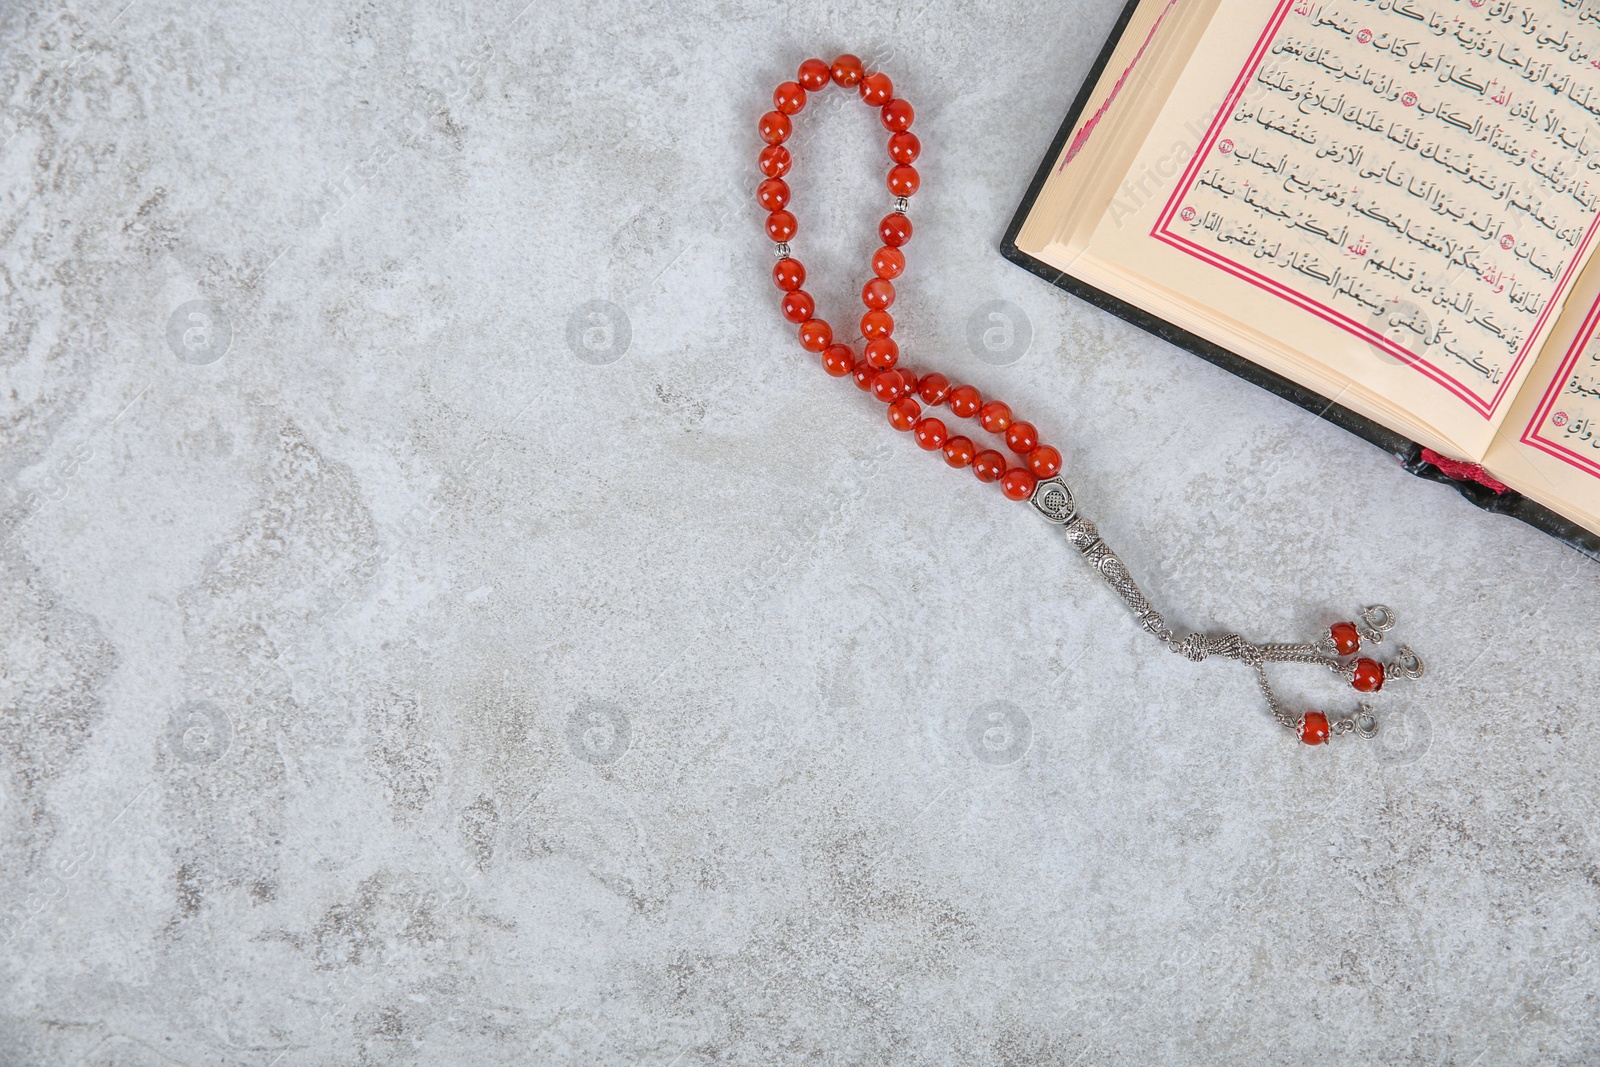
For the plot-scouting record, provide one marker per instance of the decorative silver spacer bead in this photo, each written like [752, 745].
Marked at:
[901, 203]
[781, 249]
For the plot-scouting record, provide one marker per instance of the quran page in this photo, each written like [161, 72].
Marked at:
[1549, 445]
[1386, 200]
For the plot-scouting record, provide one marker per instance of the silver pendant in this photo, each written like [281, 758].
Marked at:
[1053, 499]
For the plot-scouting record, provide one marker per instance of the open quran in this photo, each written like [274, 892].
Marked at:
[1385, 210]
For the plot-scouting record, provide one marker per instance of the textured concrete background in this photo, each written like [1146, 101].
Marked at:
[475, 633]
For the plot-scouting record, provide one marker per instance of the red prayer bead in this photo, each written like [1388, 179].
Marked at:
[815, 335]
[838, 360]
[877, 324]
[1346, 638]
[882, 352]
[877, 293]
[781, 226]
[930, 434]
[789, 98]
[995, 416]
[904, 147]
[896, 115]
[903, 180]
[989, 465]
[814, 75]
[775, 161]
[877, 369]
[903, 413]
[1022, 438]
[934, 389]
[847, 71]
[888, 263]
[1017, 484]
[798, 306]
[1368, 677]
[894, 230]
[876, 89]
[1044, 462]
[958, 451]
[888, 386]
[788, 274]
[965, 401]
[773, 194]
[1313, 728]
[775, 127]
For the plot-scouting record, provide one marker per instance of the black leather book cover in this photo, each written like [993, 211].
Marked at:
[1406, 452]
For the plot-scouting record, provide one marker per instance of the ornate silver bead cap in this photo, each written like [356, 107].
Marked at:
[1052, 499]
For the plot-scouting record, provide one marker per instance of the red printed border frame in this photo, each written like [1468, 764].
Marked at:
[1531, 435]
[1161, 233]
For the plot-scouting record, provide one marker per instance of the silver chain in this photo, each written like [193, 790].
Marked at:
[1053, 500]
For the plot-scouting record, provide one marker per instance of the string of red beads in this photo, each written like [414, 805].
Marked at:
[877, 370]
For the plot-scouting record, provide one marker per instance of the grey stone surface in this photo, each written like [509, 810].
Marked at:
[475, 634]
